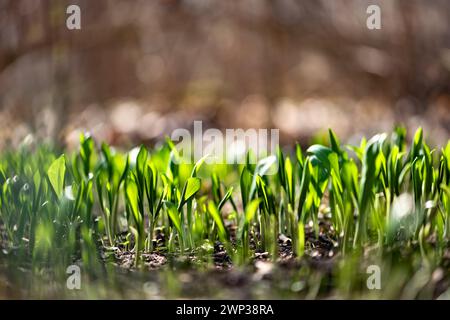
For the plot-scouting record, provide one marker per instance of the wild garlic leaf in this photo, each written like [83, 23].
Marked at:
[56, 173]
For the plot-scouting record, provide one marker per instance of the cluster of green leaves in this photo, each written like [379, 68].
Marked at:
[55, 209]
[46, 207]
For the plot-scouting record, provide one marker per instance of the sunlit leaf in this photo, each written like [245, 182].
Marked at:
[56, 173]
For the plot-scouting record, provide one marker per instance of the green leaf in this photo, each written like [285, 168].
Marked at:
[245, 184]
[334, 141]
[399, 137]
[263, 192]
[447, 155]
[198, 165]
[191, 187]
[304, 186]
[262, 168]
[174, 217]
[131, 192]
[56, 173]
[320, 153]
[225, 198]
[334, 165]
[369, 175]
[215, 187]
[417, 143]
[217, 217]
[290, 181]
[264, 165]
[86, 151]
[141, 160]
[281, 169]
[141, 174]
[151, 182]
[250, 212]
[159, 206]
[301, 239]
[299, 154]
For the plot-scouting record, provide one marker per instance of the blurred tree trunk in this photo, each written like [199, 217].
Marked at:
[60, 53]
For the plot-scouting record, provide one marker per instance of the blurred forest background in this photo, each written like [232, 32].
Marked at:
[139, 69]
